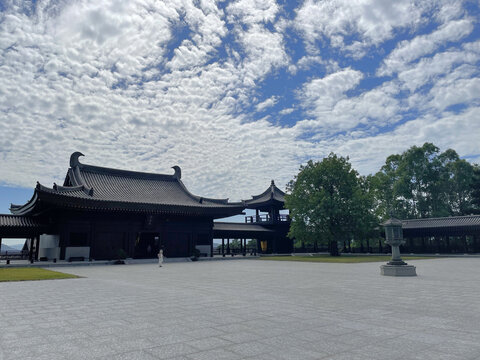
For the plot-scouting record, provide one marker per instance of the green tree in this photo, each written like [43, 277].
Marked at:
[475, 188]
[422, 182]
[457, 179]
[325, 200]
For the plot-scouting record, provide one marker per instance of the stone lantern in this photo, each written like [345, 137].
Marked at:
[394, 238]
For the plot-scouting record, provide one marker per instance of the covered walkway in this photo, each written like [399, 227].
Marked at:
[455, 234]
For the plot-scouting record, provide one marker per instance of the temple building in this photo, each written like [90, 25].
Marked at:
[102, 214]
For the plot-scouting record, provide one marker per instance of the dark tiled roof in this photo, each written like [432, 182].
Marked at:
[442, 222]
[10, 221]
[94, 187]
[272, 194]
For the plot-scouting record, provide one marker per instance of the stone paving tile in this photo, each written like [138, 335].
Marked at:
[292, 353]
[216, 354]
[124, 345]
[349, 356]
[330, 346]
[249, 349]
[172, 350]
[466, 349]
[203, 333]
[274, 310]
[240, 337]
[376, 352]
[435, 355]
[168, 339]
[134, 355]
[210, 343]
[335, 330]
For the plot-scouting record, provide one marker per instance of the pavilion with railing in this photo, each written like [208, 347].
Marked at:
[268, 226]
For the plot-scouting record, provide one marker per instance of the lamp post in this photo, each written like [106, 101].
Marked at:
[394, 238]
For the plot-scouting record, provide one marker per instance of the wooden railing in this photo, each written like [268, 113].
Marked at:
[266, 218]
[236, 251]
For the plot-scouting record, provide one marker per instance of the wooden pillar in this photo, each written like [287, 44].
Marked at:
[37, 246]
[223, 247]
[447, 243]
[257, 215]
[0, 244]
[241, 245]
[228, 246]
[211, 245]
[30, 251]
[465, 244]
[244, 246]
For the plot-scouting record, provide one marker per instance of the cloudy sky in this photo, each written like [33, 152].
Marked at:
[234, 92]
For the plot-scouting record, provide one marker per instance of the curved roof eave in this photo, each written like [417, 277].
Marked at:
[27, 207]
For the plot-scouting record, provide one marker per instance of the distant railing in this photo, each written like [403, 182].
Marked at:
[15, 255]
[266, 218]
[235, 251]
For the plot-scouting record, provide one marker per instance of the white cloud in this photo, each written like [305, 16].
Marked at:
[264, 51]
[286, 111]
[447, 130]
[456, 88]
[97, 78]
[321, 96]
[371, 109]
[410, 50]
[430, 69]
[252, 11]
[145, 85]
[373, 21]
[271, 101]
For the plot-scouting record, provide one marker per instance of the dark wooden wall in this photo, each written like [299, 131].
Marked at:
[106, 233]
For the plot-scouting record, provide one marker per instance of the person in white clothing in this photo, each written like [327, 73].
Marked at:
[160, 258]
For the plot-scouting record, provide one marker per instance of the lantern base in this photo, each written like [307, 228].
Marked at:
[398, 270]
[397, 262]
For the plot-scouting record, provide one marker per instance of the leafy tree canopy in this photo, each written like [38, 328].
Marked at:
[423, 182]
[327, 202]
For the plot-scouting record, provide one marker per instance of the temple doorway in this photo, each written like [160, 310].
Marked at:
[147, 245]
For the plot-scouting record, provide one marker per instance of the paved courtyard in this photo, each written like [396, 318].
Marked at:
[246, 309]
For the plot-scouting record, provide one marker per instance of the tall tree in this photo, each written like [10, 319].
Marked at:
[422, 182]
[325, 200]
[457, 185]
[475, 187]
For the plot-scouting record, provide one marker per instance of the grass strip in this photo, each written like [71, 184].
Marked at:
[341, 259]
[27, 274]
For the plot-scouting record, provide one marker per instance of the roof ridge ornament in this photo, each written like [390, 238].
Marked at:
[178, 172]
[74, 159]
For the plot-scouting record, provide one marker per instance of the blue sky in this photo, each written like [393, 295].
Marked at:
[235, 92]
